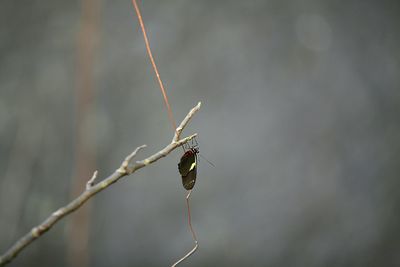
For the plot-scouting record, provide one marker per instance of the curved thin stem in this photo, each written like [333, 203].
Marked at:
[189, 217]
[196, 243]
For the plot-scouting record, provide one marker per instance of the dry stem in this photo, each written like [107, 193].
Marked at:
[92, 189]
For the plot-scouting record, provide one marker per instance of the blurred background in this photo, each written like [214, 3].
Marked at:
[300, 115]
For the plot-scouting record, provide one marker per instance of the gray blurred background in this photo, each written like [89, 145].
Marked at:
[300, 115]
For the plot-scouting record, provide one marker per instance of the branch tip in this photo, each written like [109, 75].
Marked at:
[185, 121]
[90, 183]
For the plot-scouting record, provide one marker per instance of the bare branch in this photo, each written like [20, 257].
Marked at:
[185, 122]
[91, 189]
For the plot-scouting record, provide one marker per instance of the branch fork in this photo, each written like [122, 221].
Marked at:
[124, 168]
[92, 189]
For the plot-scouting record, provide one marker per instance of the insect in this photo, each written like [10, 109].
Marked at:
[188, 165]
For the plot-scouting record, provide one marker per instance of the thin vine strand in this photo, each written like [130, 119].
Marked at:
[171, 118]
[153, 63]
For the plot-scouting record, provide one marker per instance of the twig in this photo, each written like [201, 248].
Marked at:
[90, 183]
[124, 170]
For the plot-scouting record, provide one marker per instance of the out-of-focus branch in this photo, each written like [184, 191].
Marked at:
[87, 44]
[126, 168]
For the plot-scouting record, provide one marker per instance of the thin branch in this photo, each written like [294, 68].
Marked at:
[185, 121]
[124, 170]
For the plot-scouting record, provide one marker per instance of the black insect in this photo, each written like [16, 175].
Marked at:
[188, 166]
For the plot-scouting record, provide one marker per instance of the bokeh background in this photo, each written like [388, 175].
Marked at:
[300, 115]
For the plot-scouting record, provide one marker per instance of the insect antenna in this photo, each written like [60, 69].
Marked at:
[195, 145]
[209, 162]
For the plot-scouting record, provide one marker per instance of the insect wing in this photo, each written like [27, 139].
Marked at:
[186, 163]
[189, 180]
[188, 169]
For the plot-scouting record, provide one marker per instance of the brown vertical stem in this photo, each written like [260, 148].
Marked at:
[154, 65]
[78, 228]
